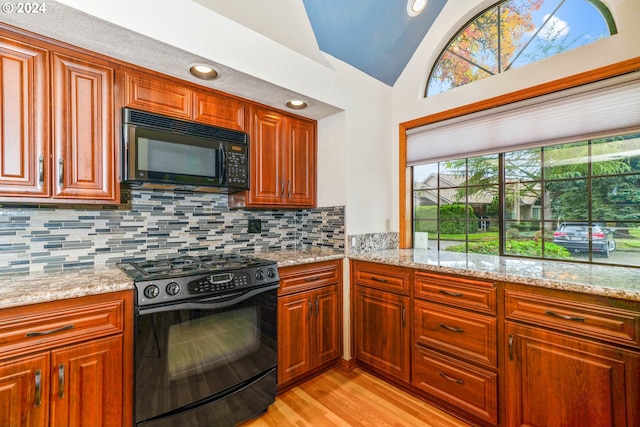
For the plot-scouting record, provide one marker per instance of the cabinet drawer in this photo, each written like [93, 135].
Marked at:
[464, 386]
[307, 276]
[381, 276]
[51, 324]
[598, 321]
[456, 332]
[468, 293]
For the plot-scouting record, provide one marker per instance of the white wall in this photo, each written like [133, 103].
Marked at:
[408, 100]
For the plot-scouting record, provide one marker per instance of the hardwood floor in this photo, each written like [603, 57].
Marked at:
[351, 399]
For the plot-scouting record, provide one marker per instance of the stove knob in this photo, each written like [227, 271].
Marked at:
[271, 273]
[259, 275]
[173, 288]
[151, 291]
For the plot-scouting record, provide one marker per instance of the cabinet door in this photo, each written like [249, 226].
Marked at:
[382, 332]
[24, 397]
[301, 163]
[24, 105]
[156, 95]
[218, 110]
[556, 380]
[327, 325]
[86, 384]
[84, 146]
[294, 317]
[267, 168]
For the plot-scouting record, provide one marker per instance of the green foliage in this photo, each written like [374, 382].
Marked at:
[453, 219]
[528, 248]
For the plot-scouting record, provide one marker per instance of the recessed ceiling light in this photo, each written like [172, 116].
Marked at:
[415, 7]
[296, 104]
[204, 72]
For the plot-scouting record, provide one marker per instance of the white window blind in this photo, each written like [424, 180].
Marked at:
[588, 111]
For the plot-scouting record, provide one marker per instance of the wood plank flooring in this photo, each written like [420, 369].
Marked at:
[338, 398]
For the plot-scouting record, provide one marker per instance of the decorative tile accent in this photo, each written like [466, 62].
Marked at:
[154, 224]
[363, 243]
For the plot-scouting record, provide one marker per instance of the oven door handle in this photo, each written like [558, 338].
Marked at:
[220, 301]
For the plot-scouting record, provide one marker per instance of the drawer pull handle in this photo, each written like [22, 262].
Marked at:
[378, 279]
[38, 397]
[311, 279]
[49, 332]
[451, 328]
[563, 316]
[451, 294]
[447, 377]
[61, 381]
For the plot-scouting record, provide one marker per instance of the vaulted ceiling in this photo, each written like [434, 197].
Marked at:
[377, 37]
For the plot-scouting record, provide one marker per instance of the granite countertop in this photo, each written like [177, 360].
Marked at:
[610, 281]
[301, 256]
[618, 282]
[24, 288]
[32, 288]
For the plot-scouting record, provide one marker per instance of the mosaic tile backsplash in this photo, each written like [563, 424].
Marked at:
[154, 224]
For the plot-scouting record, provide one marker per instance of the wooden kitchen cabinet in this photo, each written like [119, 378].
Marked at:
[565, 365]
[24, 98]
[381, 318]
[84, 152]
[309, 320]
[58, 141]
[154, 93]
[283, 162]
[455, 356]
[64, 364]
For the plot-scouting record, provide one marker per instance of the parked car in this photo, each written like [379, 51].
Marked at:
[575, 237]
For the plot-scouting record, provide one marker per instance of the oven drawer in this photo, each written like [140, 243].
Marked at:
[466, 387]
[460, 292]
[598, 321]
[308, 276]
[57, 323]
[458, 332]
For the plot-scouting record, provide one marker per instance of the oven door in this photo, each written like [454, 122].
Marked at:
[189, 355]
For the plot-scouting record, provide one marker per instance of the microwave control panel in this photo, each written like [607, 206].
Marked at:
[237, 165]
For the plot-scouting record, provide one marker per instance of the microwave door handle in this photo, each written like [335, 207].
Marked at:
[223, 165]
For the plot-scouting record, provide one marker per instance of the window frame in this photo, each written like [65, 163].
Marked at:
[597, 4]
[405, 172]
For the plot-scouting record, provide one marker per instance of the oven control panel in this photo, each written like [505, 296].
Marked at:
[219, 282]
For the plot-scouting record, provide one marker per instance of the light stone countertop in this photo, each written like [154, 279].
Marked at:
[616, 282]
[24, 288]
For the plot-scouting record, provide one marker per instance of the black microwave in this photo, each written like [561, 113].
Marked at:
[167, 153]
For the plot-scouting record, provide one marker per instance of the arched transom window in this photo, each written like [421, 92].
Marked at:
[514, 33]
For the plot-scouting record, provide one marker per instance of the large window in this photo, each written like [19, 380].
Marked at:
[514, 33]
[576, 201]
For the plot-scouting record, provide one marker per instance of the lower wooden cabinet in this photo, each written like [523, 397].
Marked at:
[558, 380]
[309, 320]
[63, 363]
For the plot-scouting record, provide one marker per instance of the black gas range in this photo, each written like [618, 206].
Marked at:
[166, 281]
[205, 339]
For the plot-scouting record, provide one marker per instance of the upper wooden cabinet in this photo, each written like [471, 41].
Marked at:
[283, 162]
[24, 99]
[169, 97]
[58, 133]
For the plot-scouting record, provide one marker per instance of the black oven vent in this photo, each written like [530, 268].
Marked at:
[136, 117]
